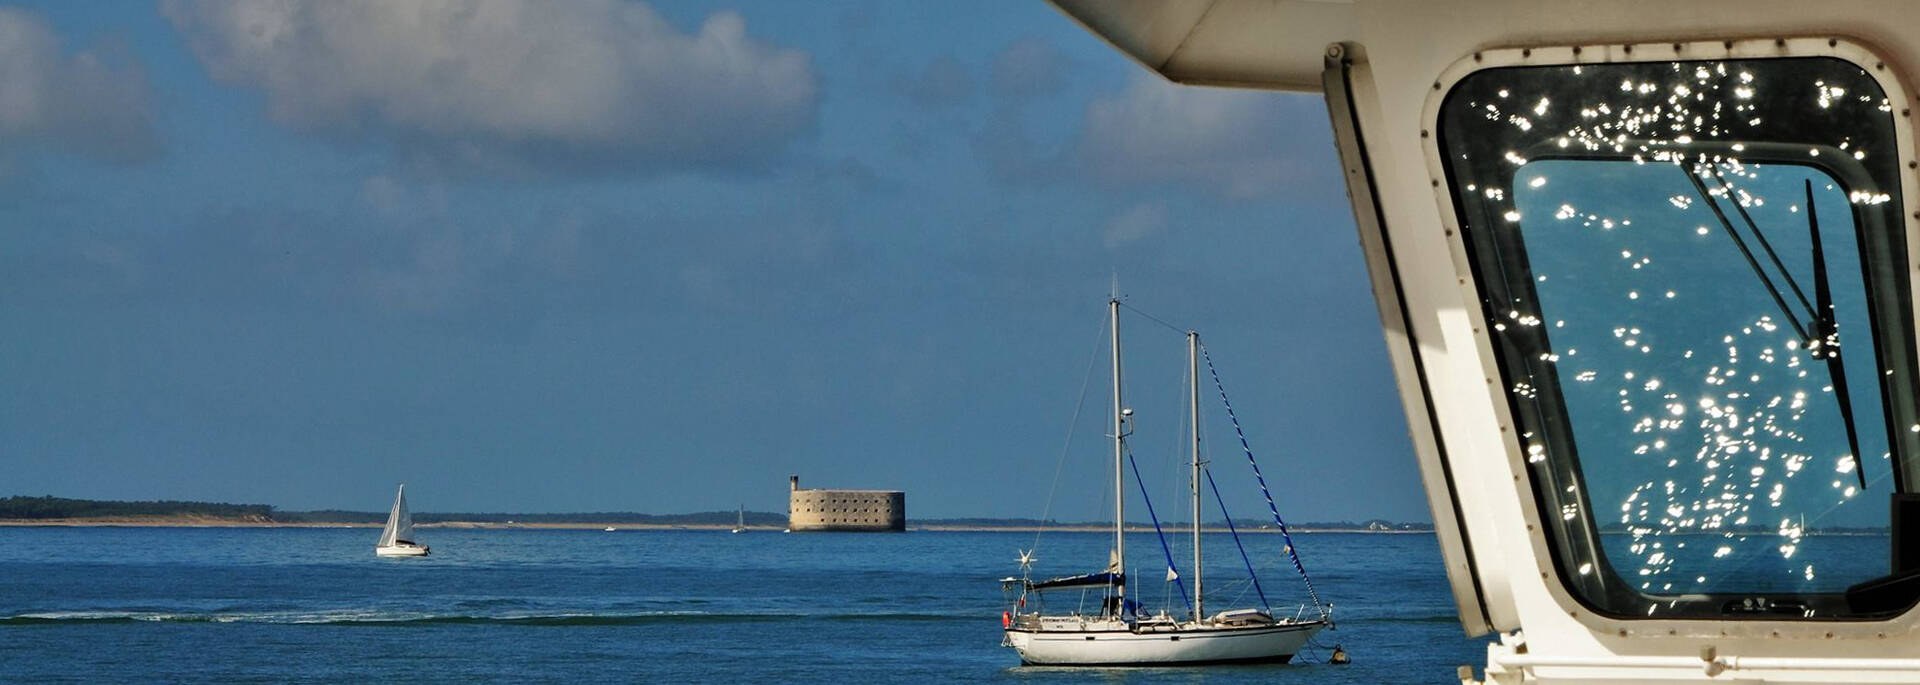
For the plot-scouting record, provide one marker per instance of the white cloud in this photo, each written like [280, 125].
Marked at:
[1240, 143]
[1139, 221]
[589, 85]
[87, 102]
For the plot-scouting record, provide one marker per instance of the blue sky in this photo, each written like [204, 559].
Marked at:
[656, 257]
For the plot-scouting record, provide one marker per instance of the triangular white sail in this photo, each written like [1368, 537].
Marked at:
[399, 522]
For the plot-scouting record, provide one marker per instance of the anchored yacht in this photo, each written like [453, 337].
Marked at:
[1119, 633]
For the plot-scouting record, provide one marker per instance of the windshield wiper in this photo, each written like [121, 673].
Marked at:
[1821, 333]
[1825, 343]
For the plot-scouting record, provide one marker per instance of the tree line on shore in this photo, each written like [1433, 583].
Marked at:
[51, 508]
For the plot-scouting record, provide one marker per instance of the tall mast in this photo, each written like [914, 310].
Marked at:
[1193, 406]
[1119, 454]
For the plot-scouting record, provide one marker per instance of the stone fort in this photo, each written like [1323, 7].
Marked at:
[845, 510]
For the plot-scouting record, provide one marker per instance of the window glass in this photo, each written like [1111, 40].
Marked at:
[1690, 370]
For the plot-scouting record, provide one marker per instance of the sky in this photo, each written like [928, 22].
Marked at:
[614, 255]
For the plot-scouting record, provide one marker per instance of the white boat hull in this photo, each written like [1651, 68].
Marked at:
[401, 551]
[1273, 644]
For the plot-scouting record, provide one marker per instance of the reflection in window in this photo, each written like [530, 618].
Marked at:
[1691, 371]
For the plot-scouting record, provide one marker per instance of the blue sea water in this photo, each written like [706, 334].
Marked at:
[101, 604]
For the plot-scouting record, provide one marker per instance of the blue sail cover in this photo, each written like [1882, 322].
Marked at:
[1094, 579]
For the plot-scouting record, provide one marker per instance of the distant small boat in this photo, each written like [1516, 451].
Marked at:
[608, 529]
[397, 539]
[740, 524]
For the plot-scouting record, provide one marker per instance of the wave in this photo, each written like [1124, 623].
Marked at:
[371, 618]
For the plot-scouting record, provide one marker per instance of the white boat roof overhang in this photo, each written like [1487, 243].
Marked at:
[1400, 54]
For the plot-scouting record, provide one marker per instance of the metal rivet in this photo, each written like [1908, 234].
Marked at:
[1449, 232]
[1628, 48]
[1676, 47]
[1436, 85]
[1831, 42]
[1576, 49]
[1727, 44]
[1623, 632]
[1526, 52]
[1779, 42]
[1435, 182]
[1424, 134]
[1476, 57]
[1879, 66]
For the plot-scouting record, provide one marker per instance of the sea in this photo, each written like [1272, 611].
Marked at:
[314, 605]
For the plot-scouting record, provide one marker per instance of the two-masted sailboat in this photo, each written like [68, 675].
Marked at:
[1119, 634]
[396, 540]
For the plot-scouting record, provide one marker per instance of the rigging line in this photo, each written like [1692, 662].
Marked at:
[1087, 380]
[1164, 549]
[1243, 548]
[1745, 251]
[1766, 245]
[1155, 319]
[1285, 536]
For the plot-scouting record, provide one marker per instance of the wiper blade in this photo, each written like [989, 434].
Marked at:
[1825, 342]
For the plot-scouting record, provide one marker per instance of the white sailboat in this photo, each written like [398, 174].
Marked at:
[740, 524]
[1118, 634]
[397, 539]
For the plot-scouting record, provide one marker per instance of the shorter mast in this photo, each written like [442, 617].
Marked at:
[1193, 406]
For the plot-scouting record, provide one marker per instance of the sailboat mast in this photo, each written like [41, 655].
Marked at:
[1119, 454]
[1193, 406]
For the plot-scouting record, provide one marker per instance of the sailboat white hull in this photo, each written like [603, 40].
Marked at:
[1273, 644]
[401, 551]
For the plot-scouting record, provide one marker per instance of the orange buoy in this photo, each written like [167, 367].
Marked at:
[1006, 619]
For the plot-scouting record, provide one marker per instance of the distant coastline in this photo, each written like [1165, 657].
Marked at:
[57, 511]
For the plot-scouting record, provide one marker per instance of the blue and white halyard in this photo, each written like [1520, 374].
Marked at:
[1119, 633]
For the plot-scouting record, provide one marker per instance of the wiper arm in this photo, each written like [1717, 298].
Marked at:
[1761, 238]
[1825, 342]
[1747, 252]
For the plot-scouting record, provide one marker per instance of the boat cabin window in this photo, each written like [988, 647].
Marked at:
[1694, 278]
